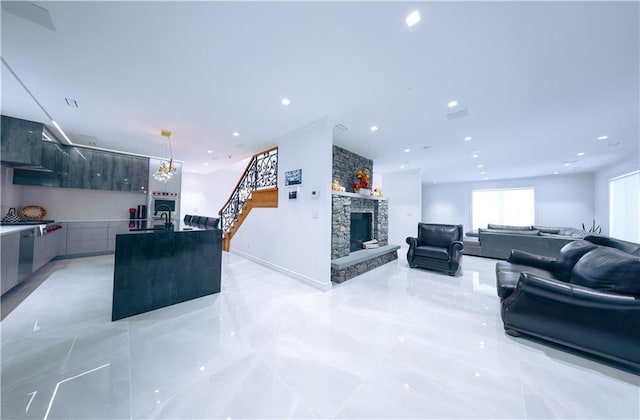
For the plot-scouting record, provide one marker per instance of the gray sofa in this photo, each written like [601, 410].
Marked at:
[497, 241]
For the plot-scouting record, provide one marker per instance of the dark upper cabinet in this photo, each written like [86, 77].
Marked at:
[79, 167]
[130, 173]
[101, 170]
[51, 156]
[76, 168]
[121, 173]
[139, 174]
[20, 140]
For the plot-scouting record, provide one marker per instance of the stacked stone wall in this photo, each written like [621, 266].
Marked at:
[345, 163]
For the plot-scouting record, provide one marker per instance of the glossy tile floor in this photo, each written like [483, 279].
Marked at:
[392, 343]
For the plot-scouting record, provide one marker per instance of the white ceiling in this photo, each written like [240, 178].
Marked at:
[540, 80]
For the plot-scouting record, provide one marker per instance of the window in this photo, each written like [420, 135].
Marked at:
[514, 207]
[624, 207]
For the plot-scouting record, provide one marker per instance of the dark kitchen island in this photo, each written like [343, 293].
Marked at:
[158, 268]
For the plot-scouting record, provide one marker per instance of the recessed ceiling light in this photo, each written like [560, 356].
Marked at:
[580, 154]
[603, 137]
[413, 18]
[206, 164]
[285, 101]
[556, 172]
[210, 151]
[480, 166]
[566, 164]
[482, 172]
[467, 138]
[236, 134]
[452, 104]
[475, 155]
[374, 128]
[407, 150]
[401, 166]
[485, 178]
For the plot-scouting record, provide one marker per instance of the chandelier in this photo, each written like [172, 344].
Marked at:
[166, 169]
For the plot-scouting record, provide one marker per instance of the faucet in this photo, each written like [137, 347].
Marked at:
[167, 223]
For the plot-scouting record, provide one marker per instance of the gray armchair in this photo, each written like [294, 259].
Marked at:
[437, 247]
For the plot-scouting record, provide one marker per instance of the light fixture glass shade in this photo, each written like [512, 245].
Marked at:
[166, 169]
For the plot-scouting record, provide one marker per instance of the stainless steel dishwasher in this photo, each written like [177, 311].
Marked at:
[25, 261]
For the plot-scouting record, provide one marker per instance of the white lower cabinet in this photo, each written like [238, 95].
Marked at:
[10, 260]
[87, 238]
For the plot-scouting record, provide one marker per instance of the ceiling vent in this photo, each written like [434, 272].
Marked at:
[341, 127]
[71, 102]
[457, 114]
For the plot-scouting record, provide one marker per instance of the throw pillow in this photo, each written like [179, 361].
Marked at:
[610, 270]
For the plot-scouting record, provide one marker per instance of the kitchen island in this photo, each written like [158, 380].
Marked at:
[158, 268]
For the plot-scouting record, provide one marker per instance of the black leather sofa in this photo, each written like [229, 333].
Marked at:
[437, 247]
[587, 298]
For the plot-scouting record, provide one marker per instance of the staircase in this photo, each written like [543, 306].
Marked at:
[257, 187]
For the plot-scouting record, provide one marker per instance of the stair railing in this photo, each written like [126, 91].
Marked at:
[261, 172]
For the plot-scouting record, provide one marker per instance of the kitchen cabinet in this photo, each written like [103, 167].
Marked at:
[101, 170]
[51, 156]
[47, 247]
[20, 141]
[10, 260]
[86, 238]
[139, 174]
[76, 168]
[130, 173]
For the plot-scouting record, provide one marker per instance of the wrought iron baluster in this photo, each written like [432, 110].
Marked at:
[262, 172]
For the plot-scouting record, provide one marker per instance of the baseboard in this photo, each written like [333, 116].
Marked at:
[289, 273]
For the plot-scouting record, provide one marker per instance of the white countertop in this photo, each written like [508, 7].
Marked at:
[5, 230]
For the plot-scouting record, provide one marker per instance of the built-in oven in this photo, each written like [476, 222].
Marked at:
[164, 207]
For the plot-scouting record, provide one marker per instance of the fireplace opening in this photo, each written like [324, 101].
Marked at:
[360, 230]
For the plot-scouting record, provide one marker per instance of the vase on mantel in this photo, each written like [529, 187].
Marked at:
[364, 191]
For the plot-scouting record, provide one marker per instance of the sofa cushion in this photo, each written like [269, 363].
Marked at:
[569, 256]
[511, 232]
[507, 227]
[432, 252]
[546, 229]
[437, 235]
[608, 269]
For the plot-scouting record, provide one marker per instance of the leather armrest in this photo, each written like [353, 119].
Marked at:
[456, 246]
[532, 260]
[413, 242]
[571, 294]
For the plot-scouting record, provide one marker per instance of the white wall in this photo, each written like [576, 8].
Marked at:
[404, 192]
[10, 195]
[601, 187]
[204, 195]
[295, 238]
[82, 204]
[561, 200]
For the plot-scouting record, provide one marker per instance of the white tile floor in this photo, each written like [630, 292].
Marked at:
[392, 343]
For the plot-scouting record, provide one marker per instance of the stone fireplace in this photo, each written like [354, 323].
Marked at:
[343, 205]
[348, 259]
